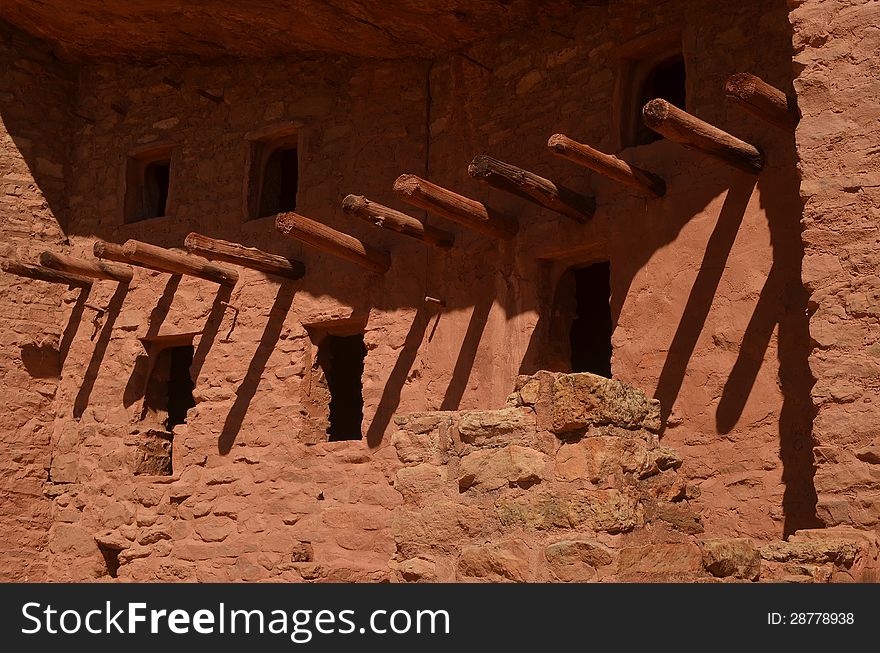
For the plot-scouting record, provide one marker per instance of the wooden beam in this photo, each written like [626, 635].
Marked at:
[530, 186]
[174, 262]
[44, 274]
[84, 268]
[687, 130]
[109, 251]
[248, 257]
[383, 216]
[762, 100]
[322, 237]
[607, 164]
[452, 206]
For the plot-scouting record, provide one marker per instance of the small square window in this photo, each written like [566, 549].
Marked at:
[147, 185]
[273, 179]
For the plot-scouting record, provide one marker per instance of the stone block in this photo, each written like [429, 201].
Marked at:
[581, 400]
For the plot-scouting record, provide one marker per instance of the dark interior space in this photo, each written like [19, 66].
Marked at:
[169, 393]
[280, 180]
[156, 177]
[180, 385]
[146, 188]
[666, 80]
[590, 334]
[342, 360]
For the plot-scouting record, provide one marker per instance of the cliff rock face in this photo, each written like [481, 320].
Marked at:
[154, 29]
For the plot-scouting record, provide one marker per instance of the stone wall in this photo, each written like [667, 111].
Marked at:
[569, 483]
[837, 48]
[34, 116]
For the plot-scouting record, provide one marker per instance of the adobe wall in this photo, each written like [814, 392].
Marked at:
[706, 292]
[837, 48]
[33, 161]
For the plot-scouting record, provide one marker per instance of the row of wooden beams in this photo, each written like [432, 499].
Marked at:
[747, 90]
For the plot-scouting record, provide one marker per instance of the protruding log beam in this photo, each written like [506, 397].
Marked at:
[322, 237]
[383, 216]
[44, 274]
[530, 186]
[683, 128]
[452, 206]
[607, 164]
[84, 268]
[173, 262]
[113, 252]
[248, 257]
[762, 100]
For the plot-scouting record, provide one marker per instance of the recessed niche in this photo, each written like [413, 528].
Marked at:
[652, 66]
[148, 184]
[273, 176]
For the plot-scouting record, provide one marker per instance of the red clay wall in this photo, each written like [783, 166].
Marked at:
[837, 49]
[710, 311]
[32, 346]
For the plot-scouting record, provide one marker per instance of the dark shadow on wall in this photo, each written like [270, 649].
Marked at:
[248, 387]
[43, 361]
[705, 285]
[36, 110]
[111, 313]
[464, 364]
[783, 302]
[72, 325]
[397, 379]
[137, 380]
[209, 331]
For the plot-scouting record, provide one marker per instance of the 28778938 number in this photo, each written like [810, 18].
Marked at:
[808, 618]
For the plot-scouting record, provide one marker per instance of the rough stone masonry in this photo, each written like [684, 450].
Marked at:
[176, 429]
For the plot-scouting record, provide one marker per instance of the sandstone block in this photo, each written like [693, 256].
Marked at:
[662, 562]
[610, 510]
[439, 526]
[420, 481]
[495, 562]
[583, 399]
[418, 570]
[576, 560]
[492, 427]
[492, 469]
[736, 557]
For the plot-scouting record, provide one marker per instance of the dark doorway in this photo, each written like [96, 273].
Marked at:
[156, 178]
[666, 80]
[342, 360]
[180, 385]
[590, 334]
[280, 181]
[169, 394]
